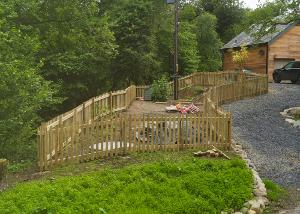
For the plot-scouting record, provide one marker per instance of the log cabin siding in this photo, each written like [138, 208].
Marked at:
[287, 46]
[257, 60]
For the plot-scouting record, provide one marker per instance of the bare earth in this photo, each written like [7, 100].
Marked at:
[147, 107]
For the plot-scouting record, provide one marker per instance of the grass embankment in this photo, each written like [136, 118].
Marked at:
[169, 183]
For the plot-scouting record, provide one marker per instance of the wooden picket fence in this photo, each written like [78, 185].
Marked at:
[98, 129]
[125, 133]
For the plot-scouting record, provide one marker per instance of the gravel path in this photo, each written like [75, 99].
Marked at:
[272, 144]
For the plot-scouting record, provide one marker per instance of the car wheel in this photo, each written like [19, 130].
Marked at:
[276, 78]
[294, 81]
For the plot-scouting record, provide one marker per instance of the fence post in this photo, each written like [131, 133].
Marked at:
[73, 137]
[229, 135]
[110, 102]
[134, 92]
[83, 113]
[180, 146]
[3, 170]
[41, 147]
[60, 139]
[244, 84]
[93, 109]
[126, 98]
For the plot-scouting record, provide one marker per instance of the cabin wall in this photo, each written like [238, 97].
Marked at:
[256, 61]
[285, 48]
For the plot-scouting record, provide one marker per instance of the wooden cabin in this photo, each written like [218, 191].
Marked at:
[269, 53]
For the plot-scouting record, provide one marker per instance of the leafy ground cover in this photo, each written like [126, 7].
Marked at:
[158, 183]
[280, 198]
[274, 191]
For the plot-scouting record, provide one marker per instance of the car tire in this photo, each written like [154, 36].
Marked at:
[294, 81]
[276, 78]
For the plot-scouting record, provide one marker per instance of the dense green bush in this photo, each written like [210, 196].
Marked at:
[160, 89]
[190, 185]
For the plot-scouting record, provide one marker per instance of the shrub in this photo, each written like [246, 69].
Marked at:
[160, 89]
[239, 57]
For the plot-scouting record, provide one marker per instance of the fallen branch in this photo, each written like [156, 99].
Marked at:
[214, 153]
[221, 152]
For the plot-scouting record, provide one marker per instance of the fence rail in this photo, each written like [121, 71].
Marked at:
[90, 131]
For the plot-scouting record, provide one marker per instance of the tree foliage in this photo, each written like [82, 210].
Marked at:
[229, 14]
[23, 91]
[209, 43]
[134, 28]
[56, 54]
[265, 18]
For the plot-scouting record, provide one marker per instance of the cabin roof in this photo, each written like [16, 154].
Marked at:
[247, 39]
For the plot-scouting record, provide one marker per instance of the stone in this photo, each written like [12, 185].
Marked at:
[256, 207]
[244, 210]
[244, 155]
[259, 192]
[247, 204]
[263, 201]
[238, 146]
[251, 202]
[251, 212]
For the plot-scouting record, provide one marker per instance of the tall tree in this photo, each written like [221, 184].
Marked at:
[23, 92]
[77, 48]
[189, 59]
[209, 43]
[229, 13]
[137, 61]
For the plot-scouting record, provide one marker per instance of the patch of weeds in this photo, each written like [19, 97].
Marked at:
[274, 191]
[16, 167]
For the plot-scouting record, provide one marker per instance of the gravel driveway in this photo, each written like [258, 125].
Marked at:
[272, 144]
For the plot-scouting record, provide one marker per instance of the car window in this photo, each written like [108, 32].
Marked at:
[289, 65]
[296, 65]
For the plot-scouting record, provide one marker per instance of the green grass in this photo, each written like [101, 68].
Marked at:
[274, 191]
[172, 183]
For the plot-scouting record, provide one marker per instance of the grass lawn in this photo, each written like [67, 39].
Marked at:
[152, 183]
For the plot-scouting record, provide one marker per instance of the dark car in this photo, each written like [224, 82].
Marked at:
[290, 71]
